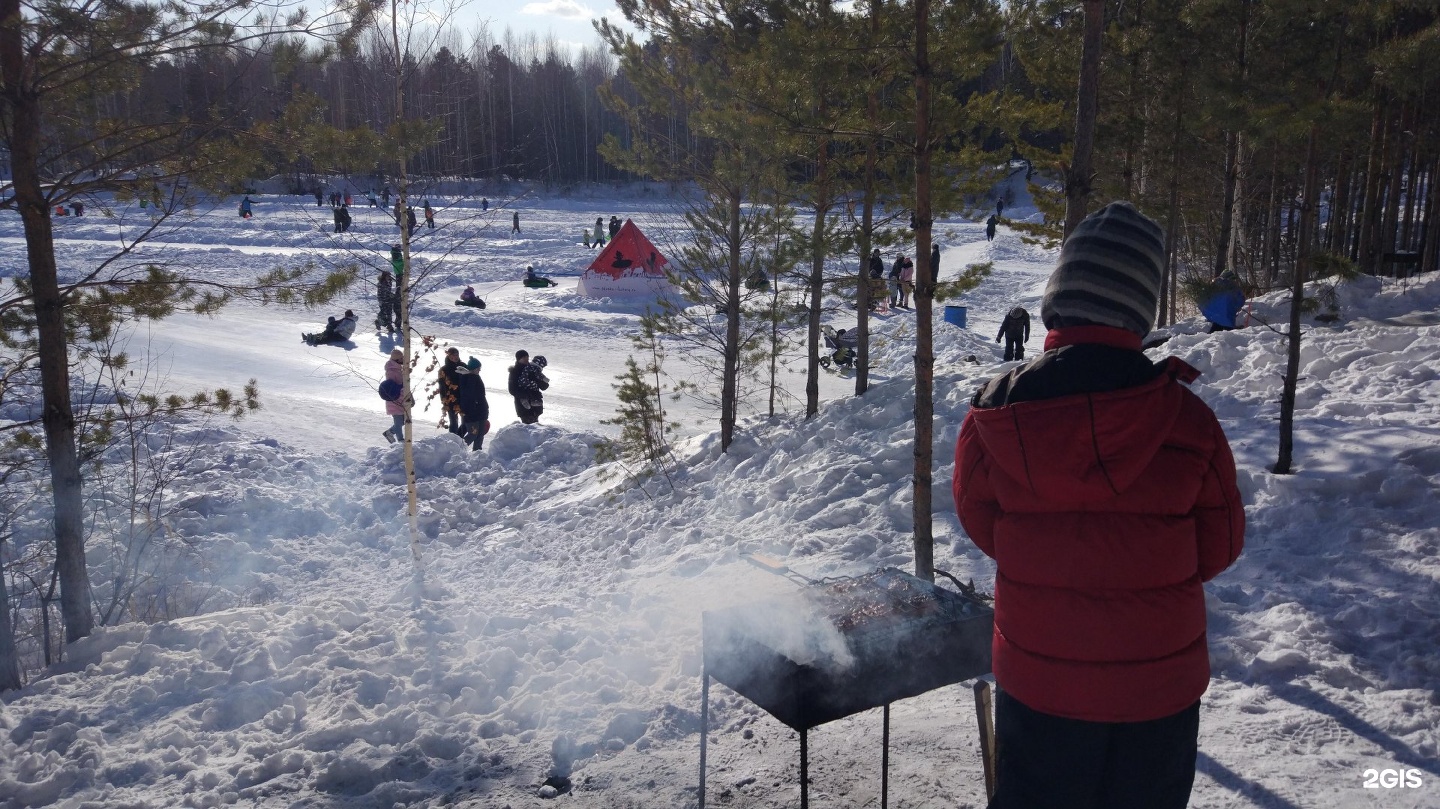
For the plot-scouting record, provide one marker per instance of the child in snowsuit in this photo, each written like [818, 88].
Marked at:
[469, 298]
[1015, 328]
[429, 215]
[395, 408]
[527, 380]
[907, 283]
[1103, 541]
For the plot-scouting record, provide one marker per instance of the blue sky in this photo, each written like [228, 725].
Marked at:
[568, 20]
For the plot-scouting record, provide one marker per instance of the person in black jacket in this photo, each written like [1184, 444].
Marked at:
[527, 380]
[1015, 328]
[450, 388]
[474, 409]
[877, 279]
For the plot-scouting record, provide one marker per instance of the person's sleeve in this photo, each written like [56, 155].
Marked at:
[484, 403]
[1000, 333]
[975, 501]
[1219, 514]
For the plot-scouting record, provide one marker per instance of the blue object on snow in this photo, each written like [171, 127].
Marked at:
[956, 315]
[1223, 306]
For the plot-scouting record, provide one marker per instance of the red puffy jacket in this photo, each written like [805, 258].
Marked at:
[1104, 512]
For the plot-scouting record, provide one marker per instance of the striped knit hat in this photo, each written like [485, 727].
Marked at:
[1109, 272]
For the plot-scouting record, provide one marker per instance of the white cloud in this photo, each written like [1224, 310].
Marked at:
[565, 9]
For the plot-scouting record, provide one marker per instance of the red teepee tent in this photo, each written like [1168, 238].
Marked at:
[629, 254]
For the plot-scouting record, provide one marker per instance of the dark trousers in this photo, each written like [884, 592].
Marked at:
[1049, 762]
[528, 415]
[1014, 348]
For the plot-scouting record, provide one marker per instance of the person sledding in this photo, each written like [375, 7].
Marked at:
[469, 298]
[536, 281]
[337, 330]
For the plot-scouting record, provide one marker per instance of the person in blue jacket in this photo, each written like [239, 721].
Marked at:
[1224, 303]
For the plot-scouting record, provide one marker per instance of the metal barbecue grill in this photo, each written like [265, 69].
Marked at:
[838, 647]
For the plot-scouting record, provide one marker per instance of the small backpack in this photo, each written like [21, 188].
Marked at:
[390, 390]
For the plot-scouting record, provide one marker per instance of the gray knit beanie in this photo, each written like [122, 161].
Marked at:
[1109, 272]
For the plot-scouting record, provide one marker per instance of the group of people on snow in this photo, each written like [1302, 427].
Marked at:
[462, 394]
[1100, 644]
[602, 231]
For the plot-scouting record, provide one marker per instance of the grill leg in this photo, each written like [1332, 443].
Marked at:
[885, 761]
[986, 722]
[804, 771]
[704, 728]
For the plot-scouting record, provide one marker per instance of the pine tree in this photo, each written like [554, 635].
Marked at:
[55, 69]
[646, 432]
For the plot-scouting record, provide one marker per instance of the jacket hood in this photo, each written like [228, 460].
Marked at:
[1084, 446]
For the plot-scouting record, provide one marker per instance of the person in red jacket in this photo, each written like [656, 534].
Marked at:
[1105, 491]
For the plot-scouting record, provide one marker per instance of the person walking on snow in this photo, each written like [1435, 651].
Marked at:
[429, 215]
[934, 261]
[1015, 328]
[599, 231]
[385, 295]
[515, 222]
[449, 381]
[474, 409]
[395, 408]
[245, 207]
[990, 227]
[527, 380]
[1102, 539]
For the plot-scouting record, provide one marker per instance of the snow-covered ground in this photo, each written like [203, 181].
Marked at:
[562, 636]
